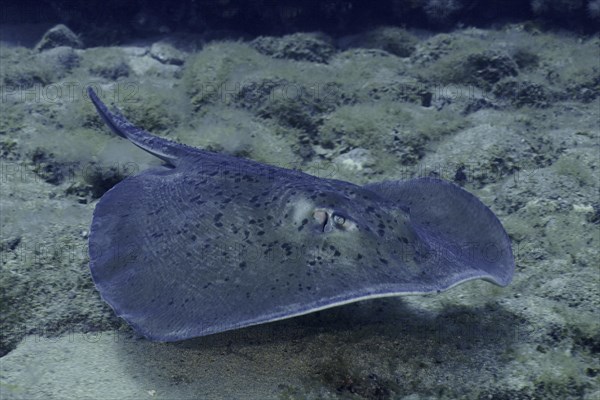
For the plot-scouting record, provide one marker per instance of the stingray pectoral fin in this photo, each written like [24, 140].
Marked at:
[167, 150]
[468, 237]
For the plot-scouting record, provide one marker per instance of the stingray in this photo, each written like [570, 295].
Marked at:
[210, 242]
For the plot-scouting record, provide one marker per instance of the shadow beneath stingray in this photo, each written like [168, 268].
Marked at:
[389, 318]
[386, 331]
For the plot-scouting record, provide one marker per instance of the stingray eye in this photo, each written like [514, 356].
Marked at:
[343, 223]
[338, 219]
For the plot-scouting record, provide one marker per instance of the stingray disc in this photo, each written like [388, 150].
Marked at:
[212, 242]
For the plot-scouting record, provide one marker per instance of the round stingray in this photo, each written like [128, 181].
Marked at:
[211, 242]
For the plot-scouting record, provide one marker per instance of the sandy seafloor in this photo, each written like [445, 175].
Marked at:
[509, 114]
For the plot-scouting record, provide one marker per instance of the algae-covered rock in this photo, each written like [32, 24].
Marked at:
[59, 36]
[464, 59]
[374, 75]
[8, 149]
[61, 59]
[157, 111]
[481, 69]
[235, 75]
[522, 93]
[298, 106]
[489, 67]
[209, 78]
[298, 46]
[479, 155]
[236, 132]
[21, 69]
[360, 125]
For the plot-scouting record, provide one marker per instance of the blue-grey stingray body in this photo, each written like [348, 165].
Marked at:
[212, 242]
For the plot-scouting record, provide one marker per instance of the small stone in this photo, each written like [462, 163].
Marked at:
[134, 51]
[143, 65]
[583, 208]
[58, 36]
[167, 54]
[355, 160]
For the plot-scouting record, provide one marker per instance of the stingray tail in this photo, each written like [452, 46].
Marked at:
[164, 149]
